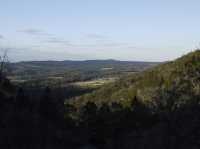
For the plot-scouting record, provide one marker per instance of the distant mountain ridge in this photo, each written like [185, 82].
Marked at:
[44, 68]
[88, 62]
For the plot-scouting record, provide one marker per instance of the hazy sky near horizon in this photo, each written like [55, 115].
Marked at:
[145, 30]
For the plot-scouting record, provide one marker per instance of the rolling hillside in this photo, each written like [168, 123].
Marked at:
[74, 69]
[178, 80]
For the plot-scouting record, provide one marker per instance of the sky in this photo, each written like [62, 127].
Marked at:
[136, 30]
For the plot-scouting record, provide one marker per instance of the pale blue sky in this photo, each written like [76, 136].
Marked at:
[146, 30]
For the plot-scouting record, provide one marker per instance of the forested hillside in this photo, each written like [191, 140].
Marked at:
[158, 108]
[179, 78]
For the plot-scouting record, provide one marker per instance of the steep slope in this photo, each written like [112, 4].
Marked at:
[179, 79]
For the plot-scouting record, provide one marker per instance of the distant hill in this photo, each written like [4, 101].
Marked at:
[88, 65]
[178, 80]
[74, 70]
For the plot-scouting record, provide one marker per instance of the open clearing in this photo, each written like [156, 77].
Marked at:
[95, 83]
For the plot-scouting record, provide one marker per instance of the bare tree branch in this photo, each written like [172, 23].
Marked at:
[3, 62]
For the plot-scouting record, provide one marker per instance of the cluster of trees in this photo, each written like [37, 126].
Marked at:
[58, 80]
[166, 126]
[46, 122]
[27, 123]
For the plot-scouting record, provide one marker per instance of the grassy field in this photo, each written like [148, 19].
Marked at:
[95, 83]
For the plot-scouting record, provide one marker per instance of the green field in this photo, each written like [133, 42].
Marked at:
[94, 83]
